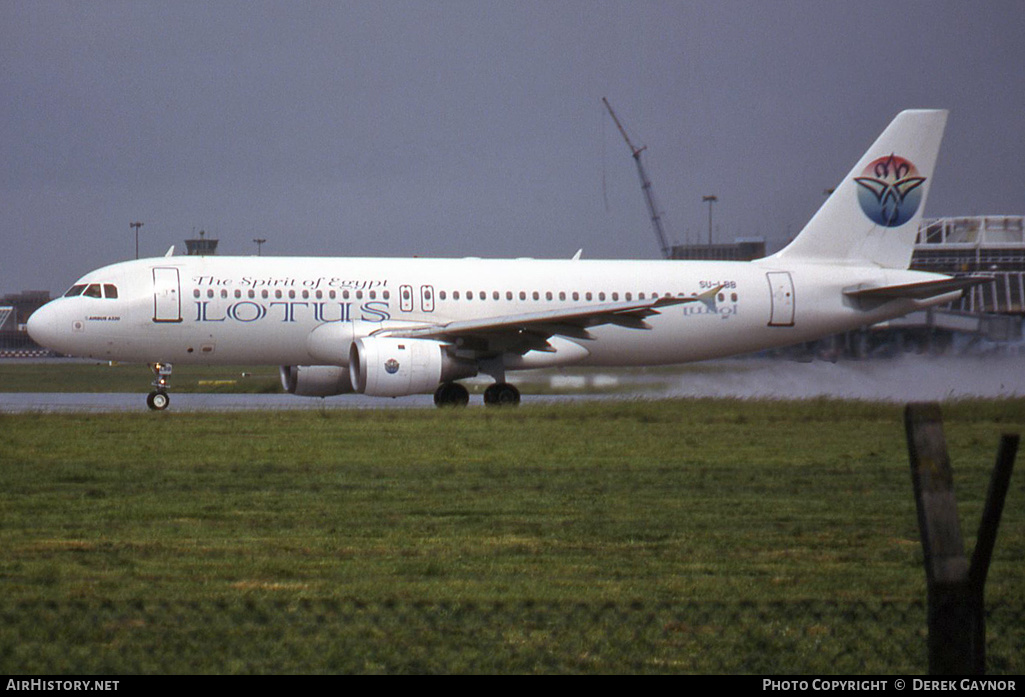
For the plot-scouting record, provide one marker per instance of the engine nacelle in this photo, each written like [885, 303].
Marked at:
[387, 367]
[315, 380]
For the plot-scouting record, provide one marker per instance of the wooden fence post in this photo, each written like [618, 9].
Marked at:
[994, 508]
[946, 567]
[956, 615]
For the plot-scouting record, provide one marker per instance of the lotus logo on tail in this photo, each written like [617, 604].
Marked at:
[889, 191]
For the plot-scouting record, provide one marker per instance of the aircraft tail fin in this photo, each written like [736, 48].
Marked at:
[872, 217]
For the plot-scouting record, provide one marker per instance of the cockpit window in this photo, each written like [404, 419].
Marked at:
[92, 290]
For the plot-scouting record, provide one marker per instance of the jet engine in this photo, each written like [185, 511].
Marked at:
[315, 380]
[388, 367]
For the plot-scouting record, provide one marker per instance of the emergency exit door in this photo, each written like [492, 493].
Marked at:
[781, 298]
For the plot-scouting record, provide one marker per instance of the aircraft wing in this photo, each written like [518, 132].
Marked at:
[531, 331]
[919, 291]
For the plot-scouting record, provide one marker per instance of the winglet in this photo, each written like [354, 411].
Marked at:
[707, 298]
[170, 252]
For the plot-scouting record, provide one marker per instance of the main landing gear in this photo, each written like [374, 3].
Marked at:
[158, 400]
[501, 394]
[452, 394]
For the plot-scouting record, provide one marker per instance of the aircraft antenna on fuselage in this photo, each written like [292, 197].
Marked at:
[649, 194]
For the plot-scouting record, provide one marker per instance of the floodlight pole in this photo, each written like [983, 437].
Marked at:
[259, 244]
[710, 199]
[136, 226]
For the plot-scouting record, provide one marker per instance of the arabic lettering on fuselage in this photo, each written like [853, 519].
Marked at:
[723, 311]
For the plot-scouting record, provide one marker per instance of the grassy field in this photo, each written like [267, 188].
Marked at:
[556, 538]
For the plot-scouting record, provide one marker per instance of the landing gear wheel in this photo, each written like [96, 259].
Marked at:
[501, 394]
[451, 394]
[157, 400]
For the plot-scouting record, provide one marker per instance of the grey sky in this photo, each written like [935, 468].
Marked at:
[475, 128]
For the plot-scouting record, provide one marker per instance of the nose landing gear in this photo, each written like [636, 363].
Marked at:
[158, 400]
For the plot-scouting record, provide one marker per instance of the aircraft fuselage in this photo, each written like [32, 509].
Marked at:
[259, 310]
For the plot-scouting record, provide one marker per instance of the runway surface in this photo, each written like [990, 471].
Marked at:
[908, 379]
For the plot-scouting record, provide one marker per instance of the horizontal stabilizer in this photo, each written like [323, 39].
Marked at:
[919, 291]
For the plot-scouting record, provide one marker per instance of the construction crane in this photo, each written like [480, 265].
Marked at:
[649, 195]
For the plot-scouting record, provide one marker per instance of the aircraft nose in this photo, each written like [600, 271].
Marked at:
[42, 326]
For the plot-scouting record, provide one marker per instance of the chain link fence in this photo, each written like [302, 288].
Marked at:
[311, 636]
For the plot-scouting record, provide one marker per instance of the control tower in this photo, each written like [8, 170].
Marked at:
[202, 247]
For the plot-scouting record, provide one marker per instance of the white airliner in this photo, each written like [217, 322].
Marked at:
[393, 327]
